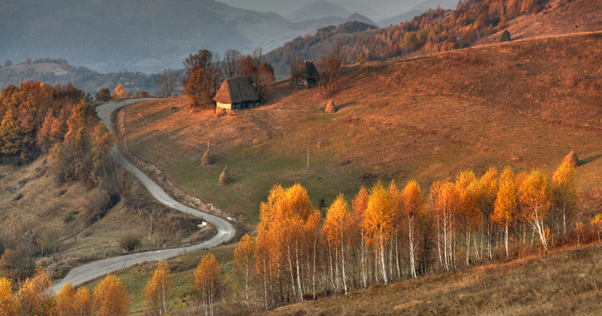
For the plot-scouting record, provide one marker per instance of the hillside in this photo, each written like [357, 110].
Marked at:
[86, 79]
[522, 104]
[564, 283]
[418, 10]
[317, 10]
[98, 31]
[558, 19]
[439, 30]
[312, 47]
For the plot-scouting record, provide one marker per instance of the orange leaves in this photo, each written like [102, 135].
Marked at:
[337, 221]
[111, 297]
[506, 200]
[64, 301]
[379, 216]
[207, 281]
[412, 199]
[8, 304]
[120, 92]
[33, 297]
[158, 289]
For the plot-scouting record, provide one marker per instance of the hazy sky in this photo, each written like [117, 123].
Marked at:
[283, 7]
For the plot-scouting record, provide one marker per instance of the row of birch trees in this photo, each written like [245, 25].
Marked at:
[389, 233]
[385, 234]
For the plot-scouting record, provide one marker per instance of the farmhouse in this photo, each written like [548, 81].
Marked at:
[236, 93]
[309, 74]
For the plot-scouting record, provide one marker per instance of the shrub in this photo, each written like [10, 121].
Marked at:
[506, 37]
[129, 241]
[104, 95]
[143, 94]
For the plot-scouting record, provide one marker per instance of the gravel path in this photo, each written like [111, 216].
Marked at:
[96, 269]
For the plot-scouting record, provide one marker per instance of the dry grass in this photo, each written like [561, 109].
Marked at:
[559, 17]
[64, 216]
[424, 119]
[564, 283]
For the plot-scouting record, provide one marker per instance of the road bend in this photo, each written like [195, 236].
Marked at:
[93, 270]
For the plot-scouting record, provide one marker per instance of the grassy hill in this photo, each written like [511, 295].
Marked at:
[61, 215]
[564, 283]
[525, 104]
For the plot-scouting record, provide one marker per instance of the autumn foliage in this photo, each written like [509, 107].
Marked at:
[158, 290]
[111, 298]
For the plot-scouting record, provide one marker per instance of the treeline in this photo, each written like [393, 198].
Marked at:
[439, 30]
[40, 119]
[206, 70]
[385, 234]
[83, 77]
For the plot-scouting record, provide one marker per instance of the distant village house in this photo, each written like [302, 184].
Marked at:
[236, 93]
[309, 74]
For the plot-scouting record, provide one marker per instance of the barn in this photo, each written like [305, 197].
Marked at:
[236, 93]
[309, 74]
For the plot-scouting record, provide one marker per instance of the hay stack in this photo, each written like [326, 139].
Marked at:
[206, 159]
[224, 178]
[572, 159]
[331, 107]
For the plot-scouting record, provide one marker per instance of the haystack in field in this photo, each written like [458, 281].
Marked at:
[206, 159]
[572, 159]
[224, 178]
[331, 107]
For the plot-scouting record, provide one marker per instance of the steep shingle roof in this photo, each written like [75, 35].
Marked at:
[236, 90]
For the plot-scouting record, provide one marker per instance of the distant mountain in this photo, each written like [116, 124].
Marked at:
[362, 9]
[113, 35]
[317, 10]
[313, 47]
[407, 16]
[284, 7]
[418, 10]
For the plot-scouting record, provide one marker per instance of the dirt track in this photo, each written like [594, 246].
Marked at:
[93, 270]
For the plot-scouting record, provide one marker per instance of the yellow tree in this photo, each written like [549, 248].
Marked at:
[65, 301]
[487, 192]
[335, 229]
[208, 283]
[269, 231]
[82, 302]
[396, 206]
[467, 186]
[243, 257]
[534, 199]
[360, 204]
[111, 298]
[158, 289]
[8, 303]
[504, 212]
[444, 203]
[412, 205]
[565, 191]
[34, 298]
[120, 92]
[378, 223]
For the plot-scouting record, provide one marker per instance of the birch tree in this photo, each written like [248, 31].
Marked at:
[534, 198]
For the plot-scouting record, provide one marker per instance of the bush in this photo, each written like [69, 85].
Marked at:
[104, 95]
[129, 241]
[506, 37]
[143, 94]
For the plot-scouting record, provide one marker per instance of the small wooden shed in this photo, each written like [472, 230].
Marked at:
[236, 93]
[309, 74]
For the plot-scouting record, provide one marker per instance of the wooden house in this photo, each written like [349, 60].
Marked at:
[309, 74]
[236, 93]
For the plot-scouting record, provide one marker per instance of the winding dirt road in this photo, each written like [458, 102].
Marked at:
[93, 270]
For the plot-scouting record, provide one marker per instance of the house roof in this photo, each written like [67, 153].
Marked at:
[310, 70]
[236, 90]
